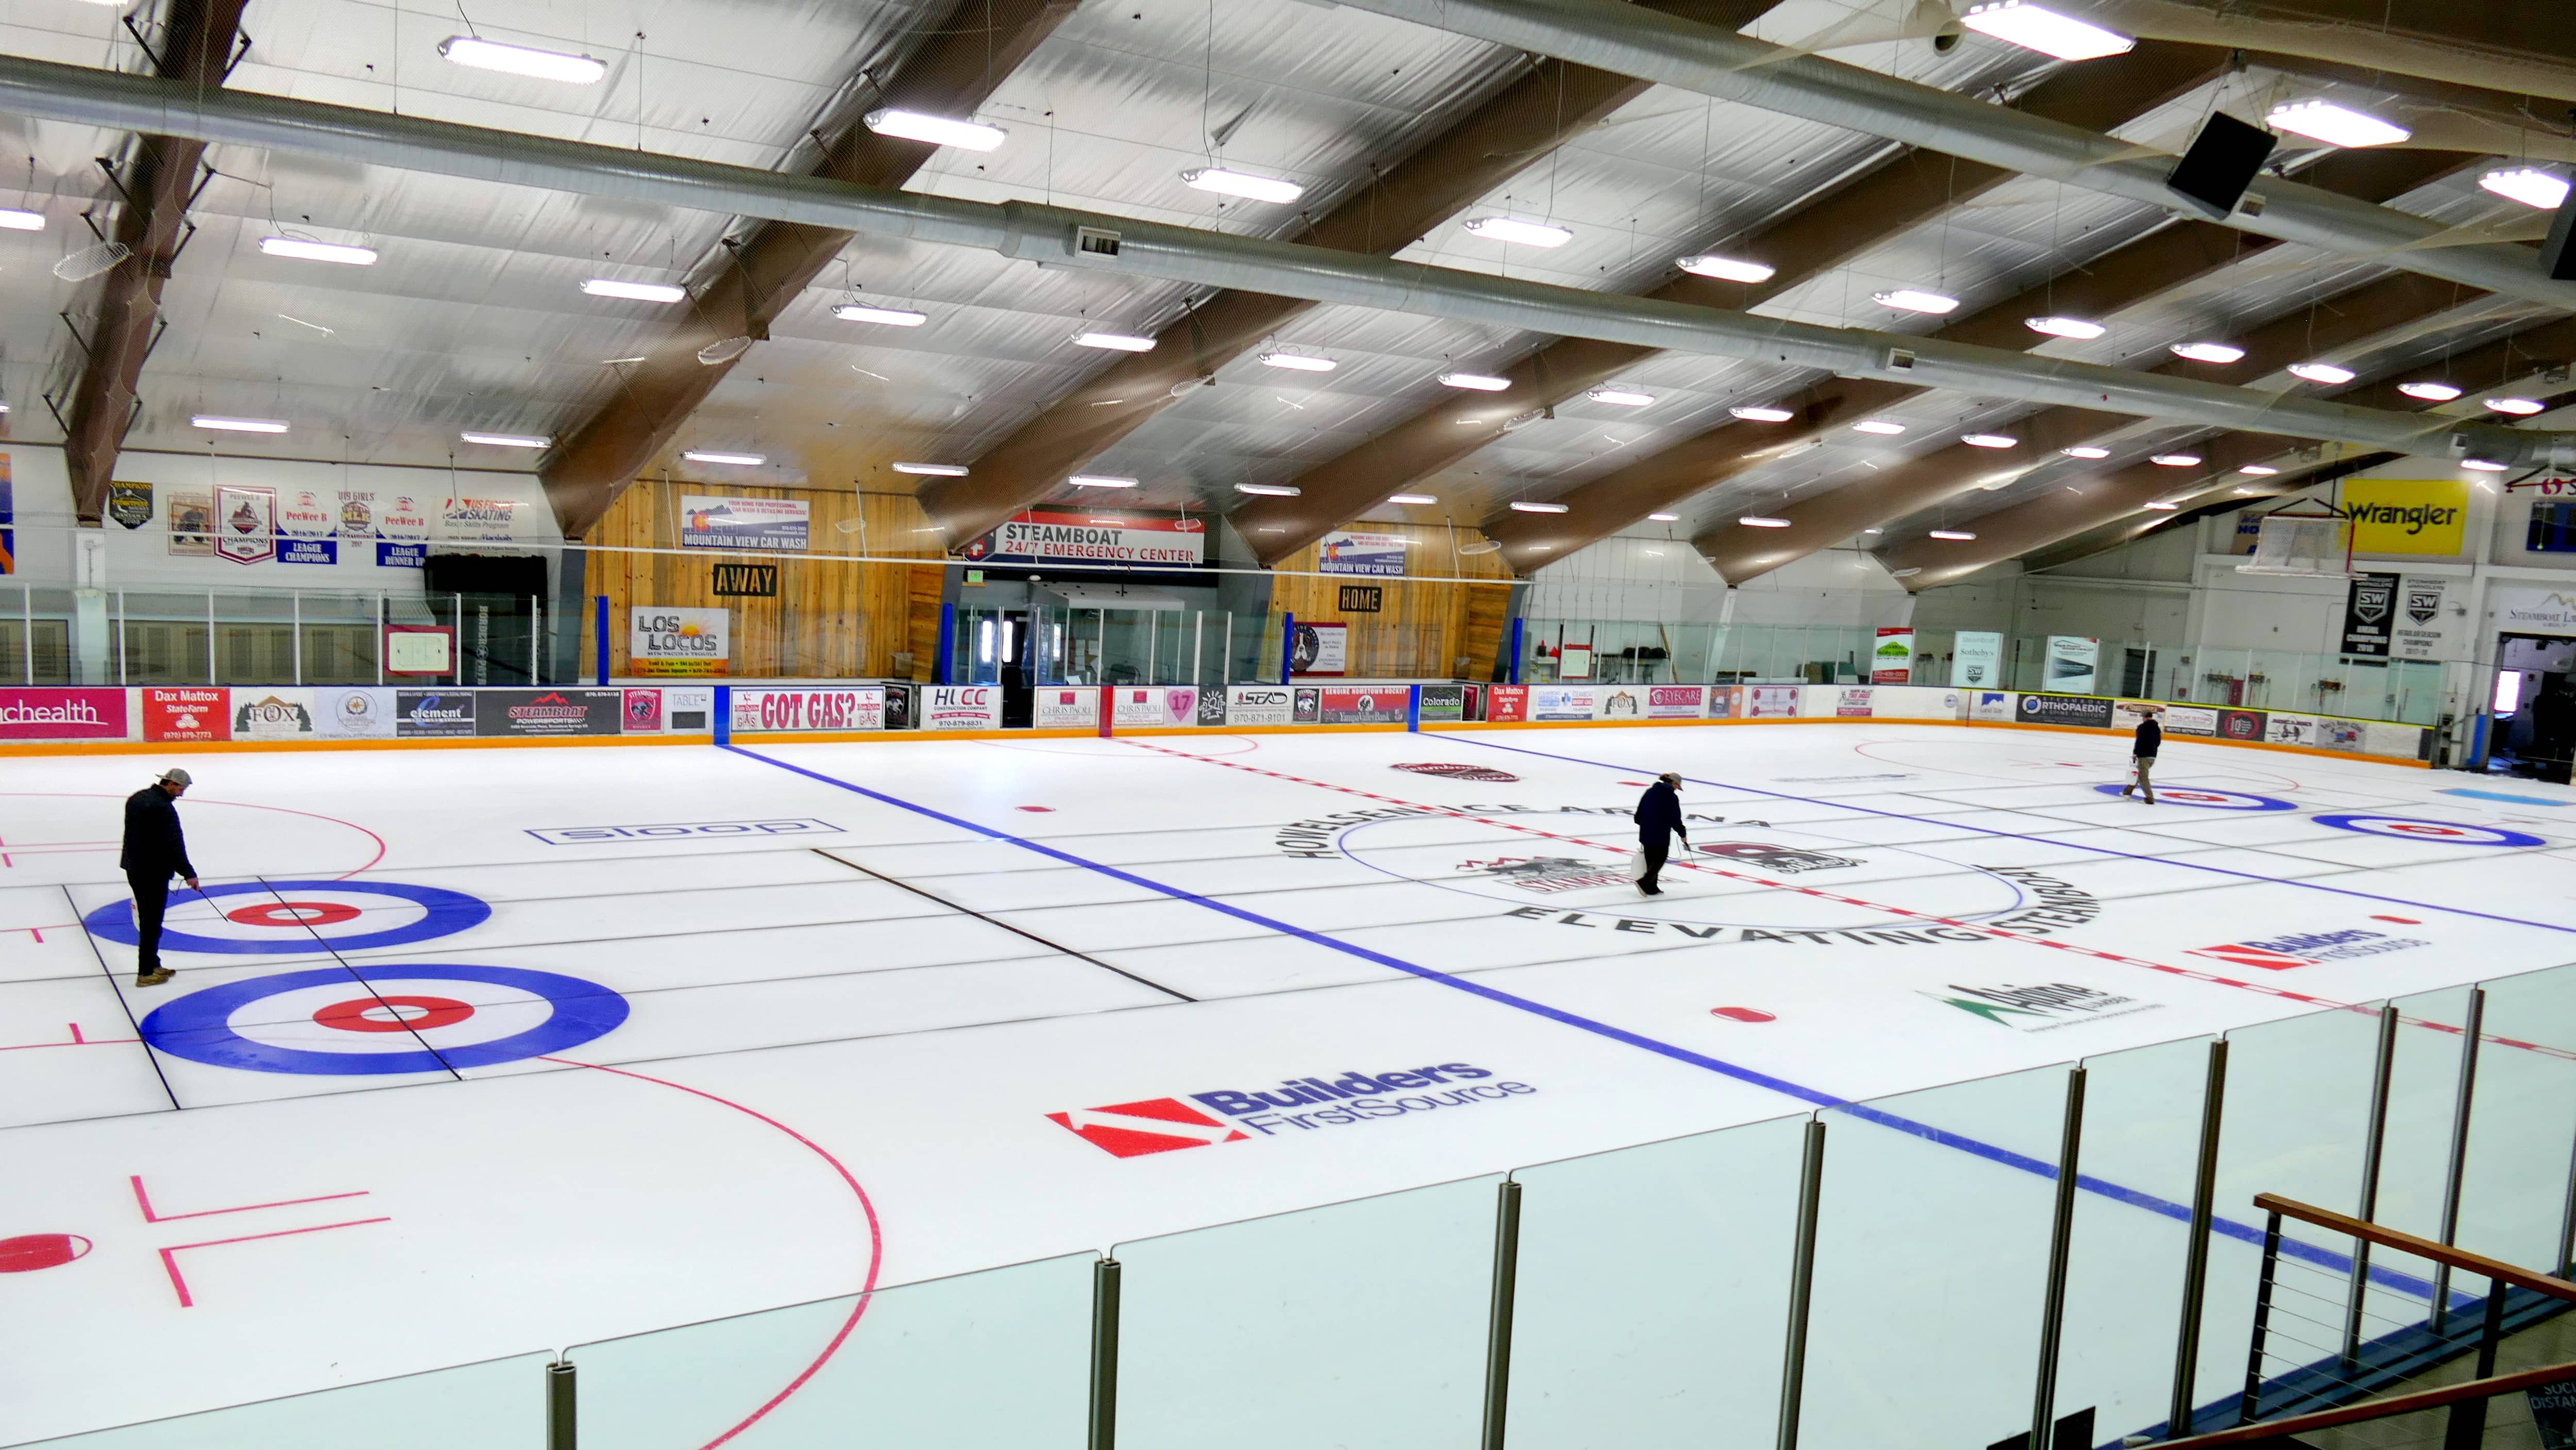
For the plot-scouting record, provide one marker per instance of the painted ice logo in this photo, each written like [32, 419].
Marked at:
[1548, 873]
[1230, 1115]
[2245, 954]
[1447, 770]
[1787, 859]
[2042, 1008]
[1155, 1125]
[2307, 949]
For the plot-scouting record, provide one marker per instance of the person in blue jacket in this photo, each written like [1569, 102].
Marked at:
[1659, 819]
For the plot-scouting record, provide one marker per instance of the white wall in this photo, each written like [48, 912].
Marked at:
[1662, 580]
[1846, 587]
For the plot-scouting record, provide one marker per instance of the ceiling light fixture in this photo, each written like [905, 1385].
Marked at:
[1114, 341]
[932, 470]
[2481, 465]
[2518, 407]
[1100, 480]
[2085, 450]
[2176, 460]
[1955, 535]
[662, 292]
[2036, 27]
[1761, 521]
[1753, 414]
[2430, 392]
[14, 220]
[937, 130]
[1664, 518]
[1989, 440]
[509, 440]
[2529, 185]
[2322, 372]
[1411, 498]
[520, 60]
[307, 251]
[2074, 327]
[1915, 299]
[1725, 269]
[2258, 470]
[1475, 382]
[887, 316]
[738, 460]
[2160, 506]
[1879, 426]
[2208, 352]
[1620, 397]
[2335, 125]
[1269, 490]
[1514, 230]
[238, 425]
[1520, 507]
[1243, 184]
[1298, 362]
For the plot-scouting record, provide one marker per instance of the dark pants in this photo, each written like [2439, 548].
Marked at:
[1656, 848]
[151, 898]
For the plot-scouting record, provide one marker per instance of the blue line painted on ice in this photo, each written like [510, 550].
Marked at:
[2338, 1263]
[2497, 795]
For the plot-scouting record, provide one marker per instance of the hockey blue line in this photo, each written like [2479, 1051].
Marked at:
[2135, 1198]
[1947, 825]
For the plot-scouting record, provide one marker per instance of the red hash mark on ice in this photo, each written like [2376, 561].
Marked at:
[1998, 933]
[143, 1200]
[170, 1259]
[74, 1040]
[170, 1255]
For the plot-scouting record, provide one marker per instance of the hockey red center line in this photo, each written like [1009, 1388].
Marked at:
[1998, 933]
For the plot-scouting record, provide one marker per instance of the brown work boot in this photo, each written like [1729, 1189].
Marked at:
[154, 977]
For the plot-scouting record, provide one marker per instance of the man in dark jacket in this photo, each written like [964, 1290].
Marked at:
[2142, 755]
[1659, 819]
[155, 851]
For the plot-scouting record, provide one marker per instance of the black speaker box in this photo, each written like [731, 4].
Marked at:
[2222, 162]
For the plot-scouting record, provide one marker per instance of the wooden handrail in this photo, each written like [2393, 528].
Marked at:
[2389, 1238]
[2376, 1409]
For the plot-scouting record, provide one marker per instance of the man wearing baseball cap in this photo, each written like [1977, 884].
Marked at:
[155, 850]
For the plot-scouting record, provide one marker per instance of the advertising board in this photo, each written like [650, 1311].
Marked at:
[187, 713]
[961, 707]
[857, 707]
[2087, 710]
[1258, 705]
[1384, 705]
[556, 711]
[1064, 707]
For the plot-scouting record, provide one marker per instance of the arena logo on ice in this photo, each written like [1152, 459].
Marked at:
[2307, 949]
[1231, 1115]
[2043, 1008]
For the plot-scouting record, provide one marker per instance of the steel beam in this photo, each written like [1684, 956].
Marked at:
[1816, 238]
[1553, 104]
[954, 71]
[197, 47]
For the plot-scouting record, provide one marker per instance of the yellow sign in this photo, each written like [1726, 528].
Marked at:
[2406, 515]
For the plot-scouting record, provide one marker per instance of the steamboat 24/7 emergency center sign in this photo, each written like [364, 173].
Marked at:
[1080, 536]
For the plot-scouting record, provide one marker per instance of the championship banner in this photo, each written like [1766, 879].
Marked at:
[245, 524]
[1320, 649]
[307, 513]
[1345, 552]
[2419, 632]
[2406, 516]
[1065, 707]
[664, 641]
[1892, 663]
[130, 504]
[1068, 536]
[403, 519]
[1258, 705]
[192, 523]
[2369, 615]
[861, 707]
[1976, 660]
[961, 707]
[767, 525]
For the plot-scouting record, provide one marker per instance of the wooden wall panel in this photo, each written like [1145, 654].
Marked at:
[834, 617]
[1428, 628]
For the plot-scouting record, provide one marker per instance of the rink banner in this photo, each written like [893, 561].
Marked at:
[859, 708]
[1772, 702]
[62, 714]
[1677, 702]
[1507, 704]
[1088, 536]
[1563, 702]
[1211, 706]
[273, 715]
[1446, 704]
[1853, 702]
[1384, 705]
[2074, 662]
[198, 713]
[549, 712]
[433, 714]
[1976, 659]
[1320, 649]
[1724, 701]
[1259, 705]
[1345, 552]
[663, 640]
[2426, 516]
[1065, 707]
[1995, 706]
[1136, 705]
[353, 713]
[2093, 711]
[961, 707]
[765, 525]
[1892, 661]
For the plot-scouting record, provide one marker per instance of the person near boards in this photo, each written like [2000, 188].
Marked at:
[1659, 819]
[2142, 756]
[155, 850]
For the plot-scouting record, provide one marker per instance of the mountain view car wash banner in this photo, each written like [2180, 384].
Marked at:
[1084, 536]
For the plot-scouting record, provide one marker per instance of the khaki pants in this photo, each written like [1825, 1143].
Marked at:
[2145, 782]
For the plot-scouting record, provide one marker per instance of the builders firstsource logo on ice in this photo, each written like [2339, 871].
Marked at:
[2308, 948]
[1297, 1104]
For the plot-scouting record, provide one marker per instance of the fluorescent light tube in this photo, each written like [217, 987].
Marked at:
[744, 460]
[2075, 327]
[1989, 440]
[14, 220]
[2335, 125]
[1620, 397]
[1960, 535]
[932, 470]
[937, 130]
[1298, 362]
[1412, 498]
[1475, 382]
[2430, 392]
[1514, 230]
[1725, 269]
[1520, 507]
[1243, 184]
[2085, 450]
[1269, 490]
[1879, 426]
[2481, 465]
[2036, 27]
[508, 440]
[635, 291]
[1114, 341]
[887, 316]
[2322, 372]
[1761, 521]
[2160, 506]
[520, 60]
[1915, 299]
[1664, 518]
[2176, 460]
[2518, 407]
[2258, 470]
[2208, 352]
[302, 250]
[1100, 480]
[1757, 414]
[2527, 184]
[238, 425]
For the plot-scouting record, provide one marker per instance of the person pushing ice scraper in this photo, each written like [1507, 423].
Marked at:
[155, 850]
[1659, 819]
[2142, 754]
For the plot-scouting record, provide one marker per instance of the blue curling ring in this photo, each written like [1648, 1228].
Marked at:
[198, 1026]
[448, 912]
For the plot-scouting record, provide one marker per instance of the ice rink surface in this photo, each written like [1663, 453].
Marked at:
[482, 1051]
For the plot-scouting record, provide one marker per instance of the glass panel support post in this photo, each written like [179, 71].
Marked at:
[562, 1426]
[120, 638]
[2252, 1401]
[1198, 642]
[2457, 1168]
[2375, 1138]
[2195, 1272]
[295, 628]
[1498, 1328]
[1802, 1265]
[2061, 1242]
[2468, 1423]
[380, 639]
[212, 678]
[1103, 1428]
